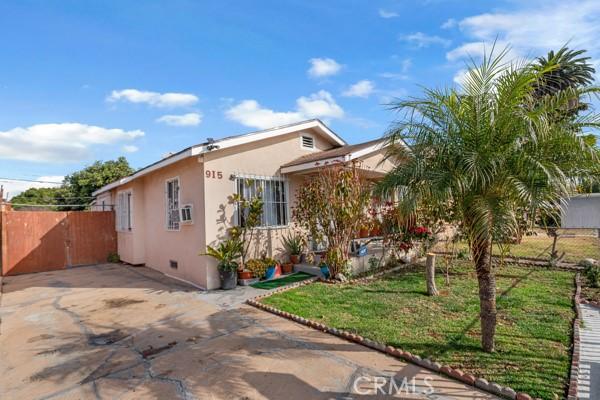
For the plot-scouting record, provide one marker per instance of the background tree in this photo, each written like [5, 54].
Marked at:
[486, 151]
[83, 183]
[78, 187]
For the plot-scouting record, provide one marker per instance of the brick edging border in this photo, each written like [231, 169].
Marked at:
[573, 385]
[426, 363]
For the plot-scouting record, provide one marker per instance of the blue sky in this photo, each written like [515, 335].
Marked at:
[83, 80]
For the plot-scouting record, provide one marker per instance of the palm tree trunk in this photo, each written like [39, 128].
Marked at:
[487, 292]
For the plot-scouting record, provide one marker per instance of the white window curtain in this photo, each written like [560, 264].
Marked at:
[124, 211]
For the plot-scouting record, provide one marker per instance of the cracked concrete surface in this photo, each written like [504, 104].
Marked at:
[113, 331]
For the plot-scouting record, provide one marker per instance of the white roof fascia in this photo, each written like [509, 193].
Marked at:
[312, 164]
[144, 171]
[226, 143]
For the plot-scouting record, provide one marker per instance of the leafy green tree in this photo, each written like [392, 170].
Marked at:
[78, 187]
[51, 196]
[83, 183]
[487, 151]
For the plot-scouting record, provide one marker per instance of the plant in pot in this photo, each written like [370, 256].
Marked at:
[271, 266]
[226, 253]
[287, 268]
[257, 267]
[293, 244]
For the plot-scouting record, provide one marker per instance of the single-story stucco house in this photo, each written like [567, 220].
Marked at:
[169, 211]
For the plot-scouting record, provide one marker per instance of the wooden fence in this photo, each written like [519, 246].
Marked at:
[38, 241]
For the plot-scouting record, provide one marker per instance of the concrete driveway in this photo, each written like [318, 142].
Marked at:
[112, 331]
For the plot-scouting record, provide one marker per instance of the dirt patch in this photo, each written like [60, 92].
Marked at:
[121, 302]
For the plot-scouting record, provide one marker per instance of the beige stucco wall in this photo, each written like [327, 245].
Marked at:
[149, 242]
[262, 158]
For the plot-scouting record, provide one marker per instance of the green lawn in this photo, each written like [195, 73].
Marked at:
[534, 321]
[575, 248]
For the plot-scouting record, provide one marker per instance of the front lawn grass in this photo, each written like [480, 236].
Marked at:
[533, 337]
[575, 248]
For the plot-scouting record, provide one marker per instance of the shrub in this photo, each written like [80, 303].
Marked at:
[592, 273]
[257, 266]
[113, 258]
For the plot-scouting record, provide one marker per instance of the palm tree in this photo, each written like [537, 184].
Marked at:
[563, 69]
[485, 152]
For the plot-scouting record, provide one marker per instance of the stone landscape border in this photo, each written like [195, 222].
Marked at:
[457, 374]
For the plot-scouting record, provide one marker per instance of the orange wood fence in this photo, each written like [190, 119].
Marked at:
[38, 241]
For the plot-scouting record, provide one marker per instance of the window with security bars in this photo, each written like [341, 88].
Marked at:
[273, 192]
[124, 211]
[173, 204]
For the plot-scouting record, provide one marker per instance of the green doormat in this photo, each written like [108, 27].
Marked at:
[275, 283]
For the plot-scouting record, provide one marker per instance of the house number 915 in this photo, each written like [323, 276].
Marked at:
[214, 174]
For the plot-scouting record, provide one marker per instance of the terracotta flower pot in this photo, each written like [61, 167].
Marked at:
[363, 233]
[295, 259]
[376, 232]
[287, 268]
[245, 274]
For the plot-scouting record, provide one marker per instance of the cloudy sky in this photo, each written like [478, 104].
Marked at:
[82, 80]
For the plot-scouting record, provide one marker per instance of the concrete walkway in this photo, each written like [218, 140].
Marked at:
[589, 364]
[112, 331]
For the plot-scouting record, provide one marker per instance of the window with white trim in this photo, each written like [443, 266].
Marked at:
[172, 189]
[308, 142]
[273, 192]
[124, 211]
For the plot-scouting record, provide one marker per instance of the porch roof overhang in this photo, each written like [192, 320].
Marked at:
[341, 155]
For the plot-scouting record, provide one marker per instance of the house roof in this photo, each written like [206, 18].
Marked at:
[333, 153]
[340, 154]
[227, 142]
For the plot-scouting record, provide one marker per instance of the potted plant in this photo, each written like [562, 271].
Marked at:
[324, 270]
[226, 253]
[287, 268]
[272, 266]
[364, 231]
[293, 244]
[245, 274]
[375, 228]
[257, 267]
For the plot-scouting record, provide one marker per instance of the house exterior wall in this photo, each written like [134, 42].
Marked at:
[149, 242]
[207, 182]
[262, 158]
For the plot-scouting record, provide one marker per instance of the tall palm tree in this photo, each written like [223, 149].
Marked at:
[485, 152]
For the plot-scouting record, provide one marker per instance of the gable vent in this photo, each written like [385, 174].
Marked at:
[308, 142]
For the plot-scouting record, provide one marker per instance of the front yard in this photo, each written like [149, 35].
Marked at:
[535, 317]
[575, 244]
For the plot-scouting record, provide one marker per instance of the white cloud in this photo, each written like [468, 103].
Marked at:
[58, 142]
[129, 148]
[360, 89]
[533, 29]
[13, 187]
[459, 77]
[387, 14]
[421, 40]
[320, 67]
[190, 119]
[153, 99]
[317, 105]
[449, 24]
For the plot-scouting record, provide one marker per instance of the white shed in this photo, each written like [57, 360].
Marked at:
[582, 212]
